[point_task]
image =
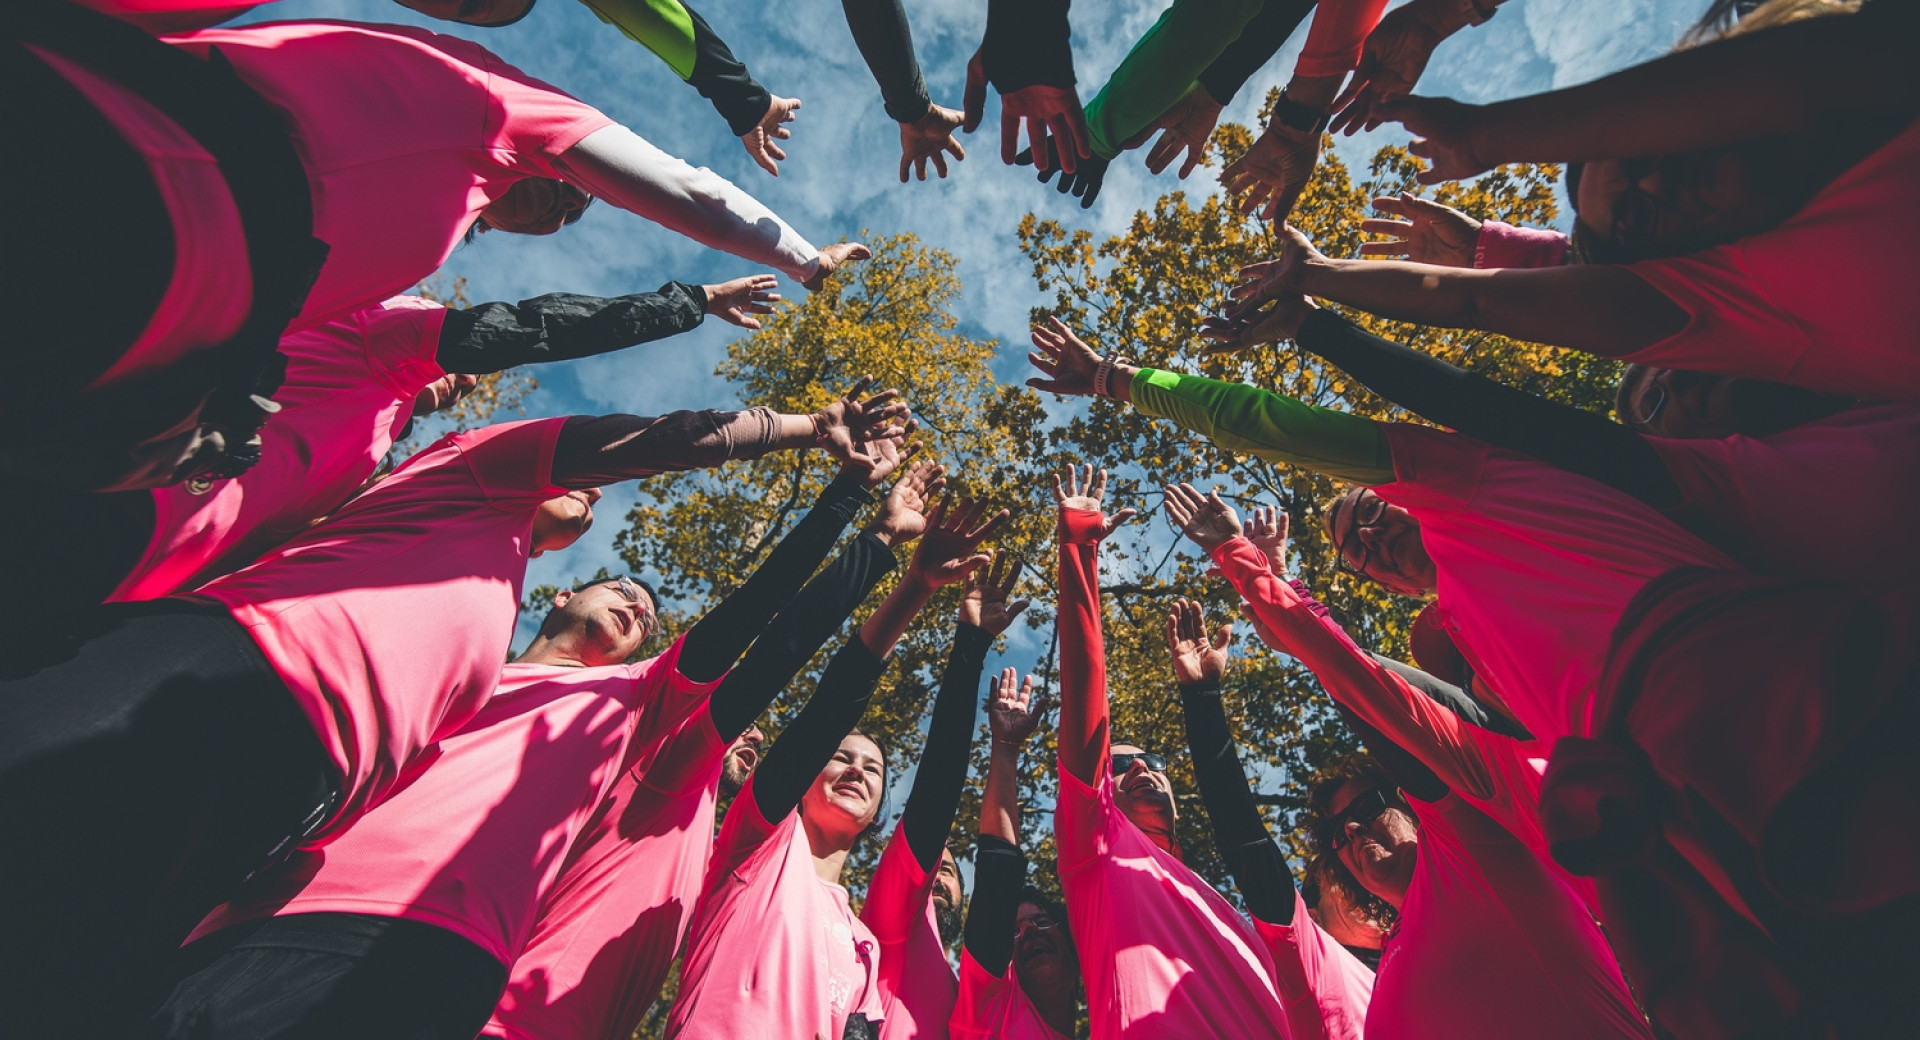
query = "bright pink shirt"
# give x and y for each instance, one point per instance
(611, 925)
(774, 951)
(470, 842)
(1824, 300)
(917, 984)
(349, 390)
(1337, 36)
(1323, 986)
(1162, 954)
(406, 136)
(1534, 566)
(1820, 501)
(1491, 945)
(994, 1007)
(1500, 244)
(389, 621)
(210, 290)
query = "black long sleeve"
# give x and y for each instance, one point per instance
(723, 80)
(805, 747)
(803, 626)
(1254, 47)
(494, 337)
(885, 40)
(1258, 866)
(718, 639)
(1454, 699)
(942, 773)
(999, 877)
(1027, 42)
(1575, 440)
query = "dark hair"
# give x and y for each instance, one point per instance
(1366, 771)
(1054, 908)
(505, 22)
(653, 594)
(1758, 408)
(880, 811)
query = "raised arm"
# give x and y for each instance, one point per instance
(1187, 39)
(493, 337)
(1240, 835)
(599, 450)
(1234, 416)
(1084, 737)
(619, 166)
(1601, 309)
(1789, 79)
(1028, 58)
(999, 867)
(942, 772)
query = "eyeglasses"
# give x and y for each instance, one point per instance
(1362, 810)
(1640, 413)
(1120, 763)
(1636, 213)
(1364, 513)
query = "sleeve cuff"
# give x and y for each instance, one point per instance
(971, 642)
(1081, 526)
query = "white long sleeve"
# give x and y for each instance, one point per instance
(619, 166)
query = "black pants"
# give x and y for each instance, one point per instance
(143, 776)
(330, 977)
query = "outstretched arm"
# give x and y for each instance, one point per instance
(1160, 68)
(677, 35)
(1084, 738)
(493, 337)
(885, 40)
(999, 867)
(605, 449)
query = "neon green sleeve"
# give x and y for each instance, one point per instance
(661, 26)
(1160, 68)
(1247, 419)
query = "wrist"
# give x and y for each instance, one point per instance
(1111, 376)
(1314, 93)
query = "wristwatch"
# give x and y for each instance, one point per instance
(1296, 116)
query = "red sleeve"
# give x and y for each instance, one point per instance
(1457, 751)
(898, 895)
(1501, 244)
(513, 462)
(1083, 661)
(402, 338)
(535, 121)
(1339, 30)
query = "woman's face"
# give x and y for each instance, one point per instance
(1379, 852)
(848, 789)
(1672, 204)
(536, 206)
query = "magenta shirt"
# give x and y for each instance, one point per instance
(917, 984)
(1817, 501)
(1491, 945)
(389, 621)
(611, 925)
(773, 951)
(406, 136)
(1823, 300)
(994, 1007)
(1324, 988)
(473, 837)
(349, 389)
(1534, 566)
(1161, 952)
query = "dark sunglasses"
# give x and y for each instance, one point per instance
(1121, 763)
(1360, 516)
(1362, 810)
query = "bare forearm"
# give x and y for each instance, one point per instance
(1401, 290)
(1000, 801)
(1782, 80)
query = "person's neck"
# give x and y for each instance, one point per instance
(829, 850)
(1163, 838)
(1056, 1004)
(560, 652)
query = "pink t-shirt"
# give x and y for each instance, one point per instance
(1500, 244)
(389, 621)
(210, 290)
(994, 1007)
(917, 984)
(1162, 954)
(1534, 566)
(474, 836)
(349, 390)
(1490, 944)
(773, 951)
(1825, 300)
(1324, 988)
(406, 136)
(612, 923)
(1817, 501)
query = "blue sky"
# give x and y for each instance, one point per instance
(841, 173)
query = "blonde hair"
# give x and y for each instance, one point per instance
(1719, 23)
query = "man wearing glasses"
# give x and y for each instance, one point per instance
(1162, 954)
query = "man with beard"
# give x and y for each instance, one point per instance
(609, 928)
(1008, 926)
(913, 904)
